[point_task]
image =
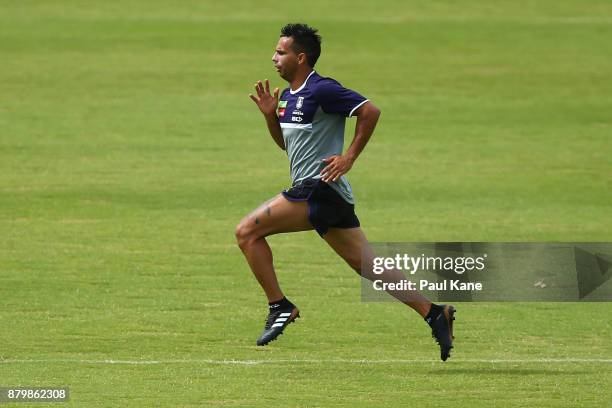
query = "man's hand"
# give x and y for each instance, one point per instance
(265, 101)
(267, 104)
(336, 166)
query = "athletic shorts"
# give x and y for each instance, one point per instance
(326, 208)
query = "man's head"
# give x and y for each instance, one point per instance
(298, 48)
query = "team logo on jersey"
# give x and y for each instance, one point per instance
(299, 102)
(282, 105)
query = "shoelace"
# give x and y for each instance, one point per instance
(271, 318)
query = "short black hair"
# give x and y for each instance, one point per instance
(305, 39)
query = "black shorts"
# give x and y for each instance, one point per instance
(326, 208)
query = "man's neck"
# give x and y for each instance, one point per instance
(299, 79)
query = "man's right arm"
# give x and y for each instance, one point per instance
(267, 104)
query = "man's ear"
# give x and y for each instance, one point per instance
(302, 58)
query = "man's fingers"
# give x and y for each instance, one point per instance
(332, 176)
(335, 176)
(333, 171)
(257, 90)
(267, 86)
(329, 168)
(254, 98)
(331, 163)
(276, 93)
(261, 88)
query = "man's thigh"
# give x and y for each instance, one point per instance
(275, 216)
(351, 244)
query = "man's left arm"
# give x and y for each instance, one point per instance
(367, 117)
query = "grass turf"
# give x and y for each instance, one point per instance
(129, 151)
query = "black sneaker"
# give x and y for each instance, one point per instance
(276, 322)
(442, 330)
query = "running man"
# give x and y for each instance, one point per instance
(307, 121)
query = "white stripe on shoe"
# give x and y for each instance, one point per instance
(277, 325)
(284, 315)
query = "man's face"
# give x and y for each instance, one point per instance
(285, 60)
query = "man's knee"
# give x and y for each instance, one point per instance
(245, 234)
(242, 234)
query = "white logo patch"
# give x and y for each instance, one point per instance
(299, 102)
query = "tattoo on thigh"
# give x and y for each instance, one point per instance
(266, 210)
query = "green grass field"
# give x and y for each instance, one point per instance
(129, 150)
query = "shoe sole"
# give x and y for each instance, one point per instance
(291, 319)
